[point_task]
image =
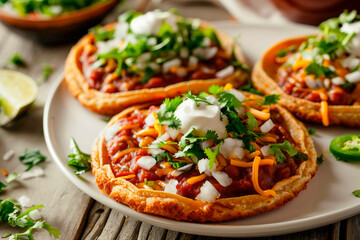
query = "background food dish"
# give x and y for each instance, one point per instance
(327, 199)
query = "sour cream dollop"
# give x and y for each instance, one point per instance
(150, 22)
(203, 117)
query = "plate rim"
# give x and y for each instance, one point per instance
(208, 229)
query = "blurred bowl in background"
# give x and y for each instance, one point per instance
(63, 28)
(314, 11)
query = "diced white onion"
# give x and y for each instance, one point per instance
(350, 62)
(171, 186)
(206, 144)
(154, 66)
(176, 173)
(225, 72)
(173, 133)
(146, 162)
(206, 42)
(8, 155)
(205, 53)
(265, 150)
(155, 151)
(327, 83)
(337, 81)
(238, 152)
(311, 83)
(181, 72)
(111, 131)
(150, 119)
(184, 52)
(353, 77)
(213, 100)
(35, 214)
(34, 172)
(164, 137)
(193, 61)
(208, 193)
(24, 201)
(239, 95)
(143, 58)
(203, 166)
(151, 41)
(185, 168)
(326, 57)
(169, 64)
(228, 146)
(267, 126)
(222, 178)
(332, 68)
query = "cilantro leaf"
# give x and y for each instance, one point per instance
(278, 148)
(166, 112)
(346, 17)
(47, 70)
(212, 155)
(211, 135)
(163, 156)
(149, 183)
(320, 159)
(252, 123)
(356, 193)
(177, 164)
(271, 99)
(80, 161)
(101, 34)
(283, 52)
(249, 87)
(31, 158)
(149, 72)
(196, 98)
(2, 187)
(16, 60)
(317, 70)
(311, 131)
(215, 89)
(229, 100)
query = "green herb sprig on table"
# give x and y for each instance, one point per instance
(16, 60)
(31, 158)
(10, 213)
(79, 160)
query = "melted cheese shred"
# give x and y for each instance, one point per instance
(255, 179)
(126, 177)
(259, 114)
(243, 164)
(196, 179)
(324, 113)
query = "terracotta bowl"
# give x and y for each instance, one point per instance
(67, 25)
(314, 11)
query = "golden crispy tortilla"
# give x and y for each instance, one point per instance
(263, 77)
(181, 208)
(112, 103)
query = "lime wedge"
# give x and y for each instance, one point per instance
(17, 92)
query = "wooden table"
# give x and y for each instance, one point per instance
(67, 208)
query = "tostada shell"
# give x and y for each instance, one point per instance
(112, 103)
(263, 77)
(181, 208)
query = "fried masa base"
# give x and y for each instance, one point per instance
(112, 103)
(181, 208)
(264, 75)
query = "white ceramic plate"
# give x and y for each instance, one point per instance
(327, 199)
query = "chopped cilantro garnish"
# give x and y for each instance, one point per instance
(215, 89)
(163, 156)
(320, 159)
(196, 98)
(166, 112)
(47, 70)
(148, 74)
(317, 70)
(177, 164)
(250, 88)
(101, 34)
(78, 160)
(311, 131)
(2, 187)
(212, 155)
(31, 158)
(356, 193)
(10, 213)
(17, 60)
(271, 99)
(283, 52)
(252, 123)
(149, 183)
(278, 148)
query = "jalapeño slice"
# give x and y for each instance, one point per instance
(346, 147)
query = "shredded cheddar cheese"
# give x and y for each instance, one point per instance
(196, 179)
(255, 179)
(164, 171)
(126, 177)
(325, 113)
(239, 163)
(169, 148)
(123, 153)
(4, 172)
(148, 132)
(228, 87)
(259, 114)
(253, 154)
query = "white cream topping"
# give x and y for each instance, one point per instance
(203, 118)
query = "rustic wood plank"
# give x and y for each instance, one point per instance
(186, 236)
(97, 219)
(353, 228)
(144, 231)
(171, 235)
(317, 233)
(157, 233)
(129, 230)
(335, 231)
(113, 226)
